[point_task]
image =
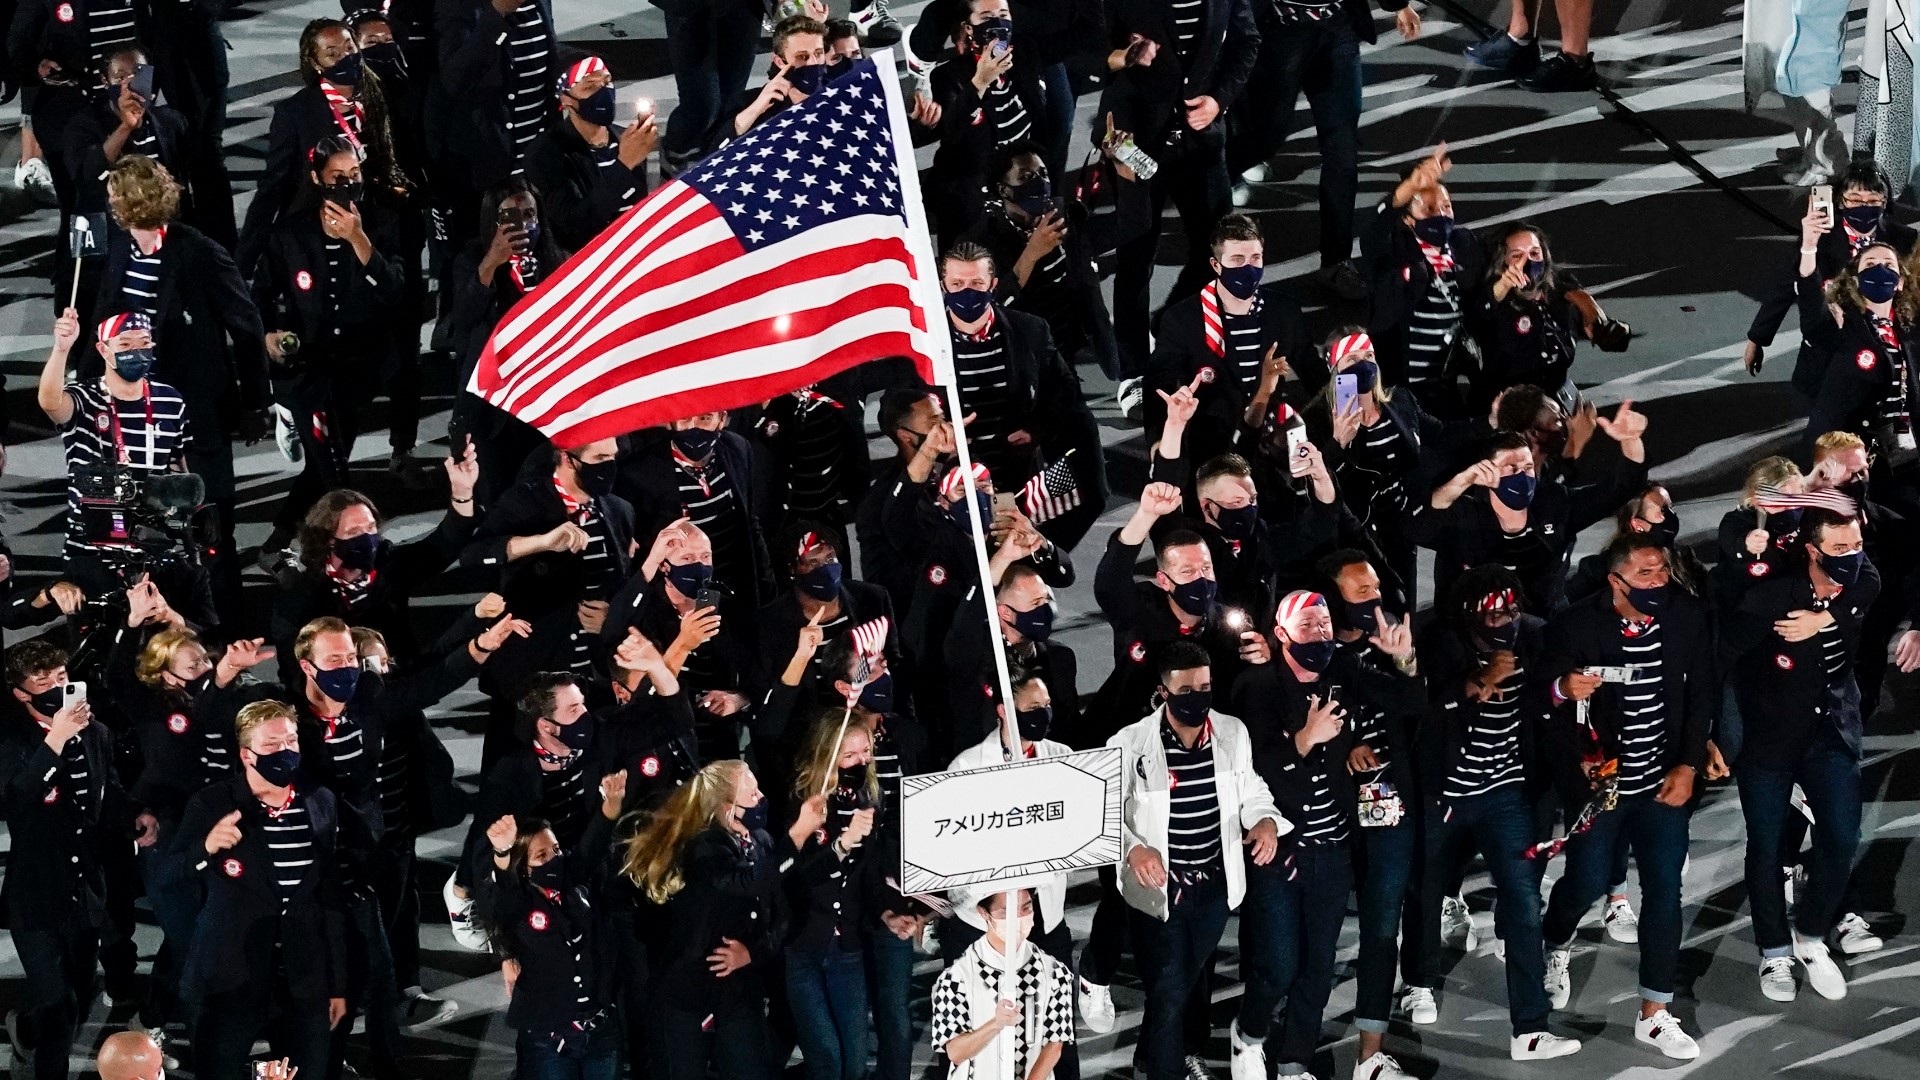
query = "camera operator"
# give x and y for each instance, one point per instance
(119, 433)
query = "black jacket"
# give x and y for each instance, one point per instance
(83, 152)
(309, 935)
(1043, 398)
(778, 627)
(1448, 658)
(1781, 686)
(1401, 277)
(300, 121)
(1832, 253)
(515, 786)
(1858, 367)
(343, 326)
(1072, 307)
(39, 33)
(1149, 101)
(649, 480)
(469, 110)
(545, 936)
(1180, 353)
(1588, 634)
(1737, 570)
(204, 304)
(545, 582)
(580, 196)
(651, 737)
(55, 875)
(1522, 341)
(732, 891)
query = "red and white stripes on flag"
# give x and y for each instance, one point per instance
(1772, 498)
(788, 255)
(1053, 491)
(869, 638)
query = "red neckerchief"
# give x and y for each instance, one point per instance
(552, 758)
(275, 812)
(1210, 327)
(342, 106)
(1631, 629)
(695, 469)
(577, 511)
(332, 724)
(159, 241)
(1856, 241)
(554, 896)
(350, 591)
(1889, 335)
(1441, 259)
(986, 329)
(113, 420)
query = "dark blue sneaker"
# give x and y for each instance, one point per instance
(1501, 53)
(1562, 73)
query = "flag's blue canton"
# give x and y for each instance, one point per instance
(824, 159)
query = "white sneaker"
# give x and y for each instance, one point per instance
(460, 915)
(1249, 1060)
(422, 1010)
(1381, 1066)
(1559, 985)
(1456, 921)
(1259, 174)
(1242, 195)
(1822, 973)
(1132, 397)
(1622, 925)
(1420, 1006)
(34, 177)
(1857, 937)
(1197, 1068)
(1663, 1031)
(1541, 1045)
(1776, 979)
(1500, 949)
(1096, 1007)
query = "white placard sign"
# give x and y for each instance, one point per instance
(1005, 823)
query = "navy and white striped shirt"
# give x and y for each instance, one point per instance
(1193, 807)
(1490, 755)
(1643, 711)
(289, 837)
(529, 94)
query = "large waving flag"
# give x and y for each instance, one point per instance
(792, 253)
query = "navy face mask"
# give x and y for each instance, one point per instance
(1034, 198)
(1195, 597)
(1242, 281)
(1034, 723)
(839, 66)
(278, 768)
(1782, 522)
(1501, 638)
(1035, 625)
(968, 305)
(808, 80)
(577, 735)
(1665, 531)
(346, 72)
(689, 578)
(1843, 569)
(1237, 523)
(357, 552)
(598, 109)
(1362, 617)
(696, 443)
(1366, 374)
(1862, 219)
(1536, 269)
(877, 696)
(596, 477)
(755, 817)
(1190, 708)
(1312, 655)
(1879, 284)
(386, 60)
(550, 875)
(1436, 229)
(1646, 601)
(1515, 492)
(822, 582)
(133, 364)
(338, 683)
(957, 511)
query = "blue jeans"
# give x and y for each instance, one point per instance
(828, 996)
(1172, 955)
(1290, 925)
(592, 1056)
(1829, 772)
(1323, 59)
(712, 54)
(1388, 861)
(1659, 838)
(891, 963)
(1054, 126)
(1501, 824)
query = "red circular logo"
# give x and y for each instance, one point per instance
(773, 428)
(1864, 359)
(64, 13)
(231, 868)
(1406, 273)
(537, 920)
(1207, 374)
(937, 574)
(1523, 325)
(650, 767)
(1759, 569)
(1783, 662)
(303, 280)
(52, 796)
(105, 422)
(1138, 651)
(177, 723)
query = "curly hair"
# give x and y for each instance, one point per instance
(315, 537)
(1844, 289)
(156, 659)
(141, 192)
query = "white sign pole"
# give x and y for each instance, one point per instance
(940, 349)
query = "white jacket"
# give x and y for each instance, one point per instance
(1244, 803)
(1049, 889)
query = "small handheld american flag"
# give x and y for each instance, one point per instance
(1772, 499)
(870, 637)
(1053, 491)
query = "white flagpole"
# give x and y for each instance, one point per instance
(939, 346)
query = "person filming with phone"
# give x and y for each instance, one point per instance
(593, 169)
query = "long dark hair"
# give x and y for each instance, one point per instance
(546, 249)
(1549, 282)
(311, 195)
(381, 167)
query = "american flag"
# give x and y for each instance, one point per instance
(1771, 498)
(1053, 491)
(870, 637)
(790, 254)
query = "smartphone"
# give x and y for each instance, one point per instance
(142, 82)
(711, 595)
(1000, 47)
(1346, 389)
(73, 693)
(643, 108)
(1297, 449)
(1003, 503)
(1823, 200)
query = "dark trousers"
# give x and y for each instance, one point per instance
(1054, 126)
(1196, 183)
(327, 416)
(1290, 925)
(828, 996)
(175, 908)
(712, 54)
(594, 1055)
(1173, 954)
(230, 1022)
(890, 987)
(956, 936)
(59, 967)
(1500, 822)
(399, 904)
(1658, 835)
(371, 991)
(1828, 771)
(736, 1042)
(1386, 866)
(1323, 59)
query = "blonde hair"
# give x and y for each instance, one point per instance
(1837, 442)
(820, 758)
(325, 624)
(1769, 470)
(141, 192)
(157, 658)
(653, 856)
(256, 713)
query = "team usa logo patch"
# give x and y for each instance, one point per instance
(937, 574)
(1406, 273)
(650, 767)
(538, 920)
(231, 868)
(773, 428)
(1864, 359)
(303, 280)
(1783, 661)
(1523, 325)
(177, 723)
(52, 796)
(104, 423)
(1138, 652)
(1759, 569)
(1207, 374)
(64, 13)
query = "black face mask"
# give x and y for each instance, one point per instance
(1034, 198)
(1034, 723)
(688, 579)
(822, 582)
(808, 80)
(550, 875)
(696, 443)
(1856, 489)
(1501, 638)
(1665, 531)
(49, 702)
(1237, 523)
(596, 477)
(386, 60)
(577, 735)
(598, 108)
(1783, 522)
(1191, 708)
(1362, 617)
(854, 777)
(1035, 625)
(1312, 655)
(345, 192)
(344, 73)
(1195, 597)
(278, 768)
(358, 552)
